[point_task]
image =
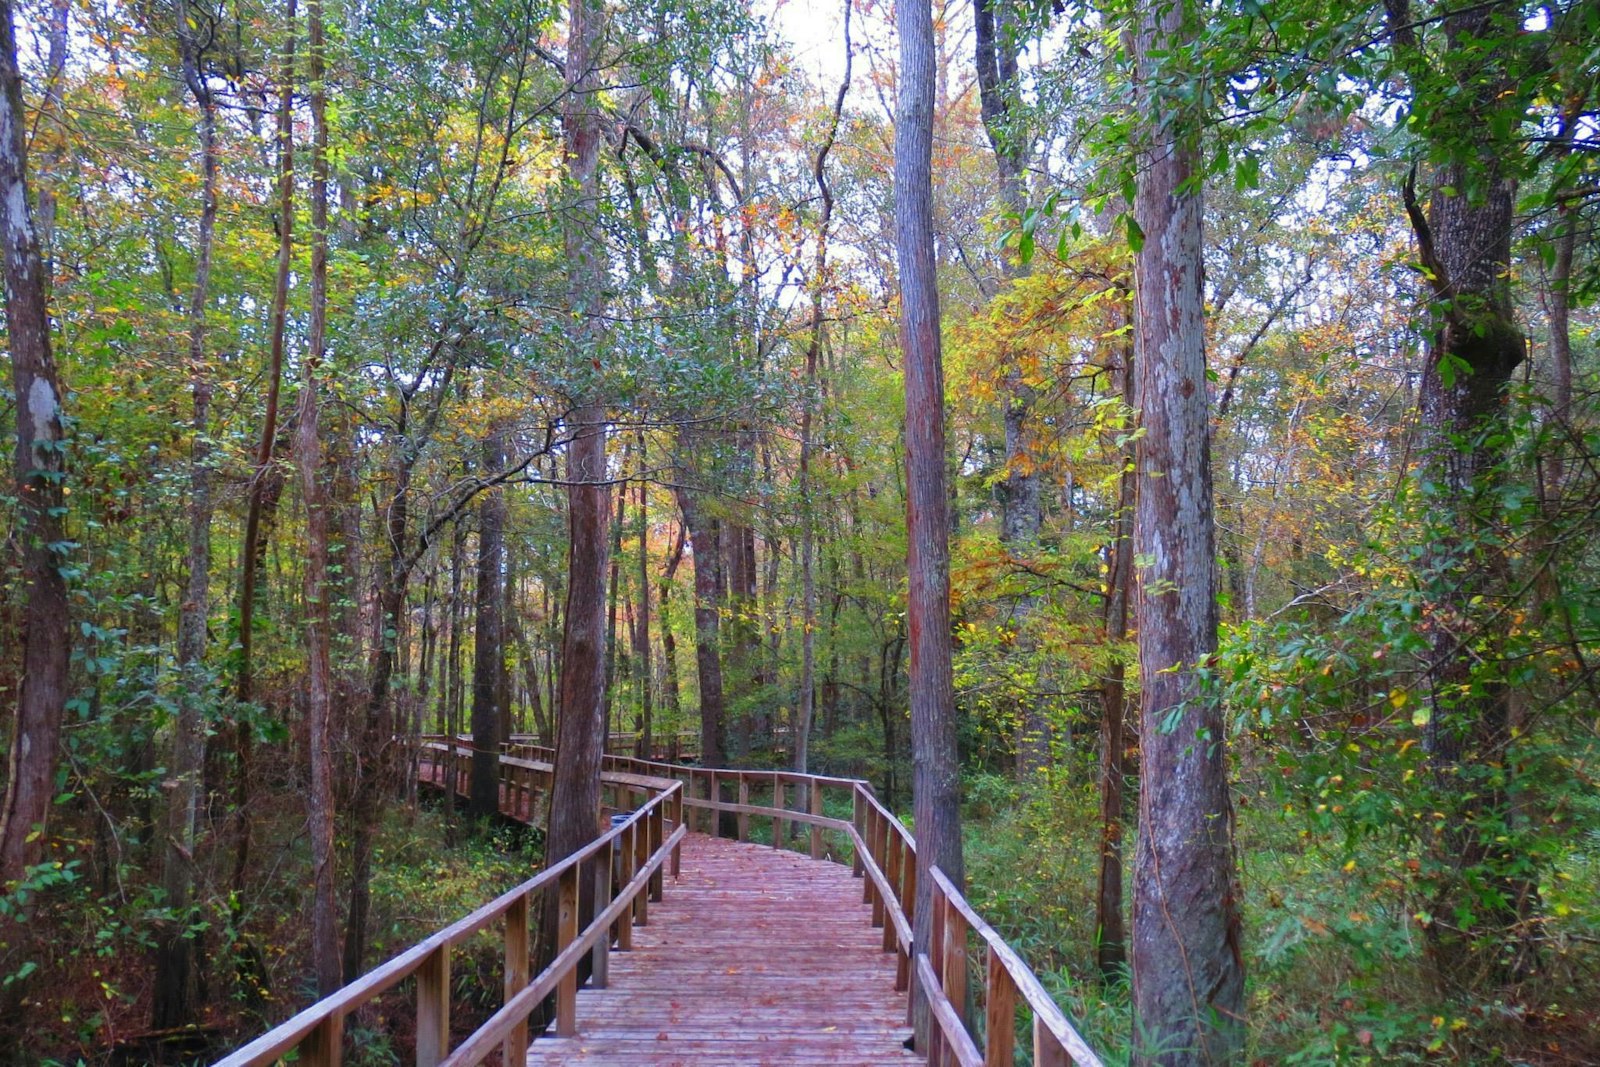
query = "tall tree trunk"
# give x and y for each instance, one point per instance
(40, 477)
(1465, 245)
(707, 629)
(250, 557)
(175, 1002)
(488, 652)
(618, 521)
(669, 641)
(641, 642)
(580, 729)
(1188, 971)
(936, 779)
(313, 479)
(806, 712)
(1111, 951)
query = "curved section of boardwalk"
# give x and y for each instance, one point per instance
(754, 955)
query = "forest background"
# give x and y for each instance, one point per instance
(287, 508)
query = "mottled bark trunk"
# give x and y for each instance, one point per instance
(40, 476)
(707, 626)
(580, 728)
(488, 650)
(176, 1000)
(641, 637)
(1188, 970)
(669, 642)
(936, 782)
(313, 483)
(1111, 950)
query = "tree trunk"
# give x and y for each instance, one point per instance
(313, 478)
(936, 780)
(641, 642)
(1473, 352)
(707, 625)
(175, 1003)
(1188, 972)
(580, 729)
(669, 641)
(40, 476)
(488, 651)
(1111, 951)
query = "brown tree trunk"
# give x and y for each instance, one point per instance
(669, 641)
(707, 629)
(250, 557)
(1188, 971)
(936, 780)
(641, 641)
(1476, 346)
(488, 652)
(580, 729)
(176, 978)
(806, 712)
(40, 476)
(313, 477)
(1111, 951)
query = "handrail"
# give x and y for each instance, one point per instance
(640, 847)
(885, 858)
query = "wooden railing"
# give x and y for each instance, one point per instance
(624, 866)
(884, 854)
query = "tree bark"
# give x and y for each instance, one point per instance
(580, 728)
(176, 976)
(313, 478)
(488, 652)
(1475, 347)
(1188, 971)
(1111, 951)
(40, 476)
(936, 781)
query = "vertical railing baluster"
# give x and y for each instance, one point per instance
(600, 955)
(744, 799)
(641, 856)
(677, 821)
(324, 1046)
(780, 825)
(999, 1014)
(566, 934)
(625, 855)
(892, 876)
(515, 1049)
(1047, 1051)
(816, 809)
(657, 818)
(433, 1008)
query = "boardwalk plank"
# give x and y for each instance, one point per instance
(754, 956)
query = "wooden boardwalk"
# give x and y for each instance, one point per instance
(706, 951)
(754, 955)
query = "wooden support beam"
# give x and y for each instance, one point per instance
(433, 1008)
(566, 934)
(516, 970)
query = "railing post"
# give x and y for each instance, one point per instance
(892, 876)
(999, 1014)
(641, 856)
(780, 825)
(677, 820)
(624, 854)
(954, 975)
(566, 934)
(816, 831)
(744, 798)
(858, 818)
(324, 1046)
(600, 956)
(516, 1044)
(657, 819)
(1047, 1051)
(433, 1008)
